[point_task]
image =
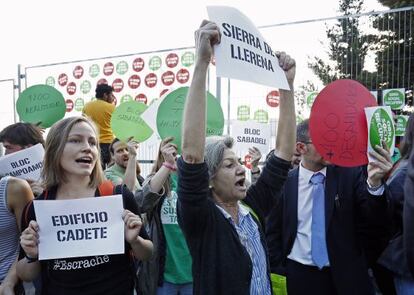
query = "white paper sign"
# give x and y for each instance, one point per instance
(247, 134)
(26, 164)
(80, 227)
(243, 53)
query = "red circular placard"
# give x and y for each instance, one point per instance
(71, 88)
(171, 60)
(248, 161)
(108, 69)
(102, 81)
(141, 98)
(183, 76)
(138, 64)
(69, 105)
(134, 81)
(338, 127)
(78, 72)
(151, 80)
(118, 85)
(168, 78)
(273, 99)
(63, 79)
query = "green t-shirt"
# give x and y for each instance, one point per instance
(116, 174)
(178, 259)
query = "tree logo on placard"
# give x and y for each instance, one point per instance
(134, 81)
(168, 78)
(50, 81)
(141, 98)
(151, 80)
(69, 105)
(108, 69)
(171, 60)
(243, 113)
(79, 104)
(126, 98)
(63, 79)
(71, 88)
(273, 99)
(94, 70)
(261, 116)
(381, 129)
(122, 67)
(138, 64)
(155, 63)
(183, 76)
(187, 59)
(118, 85)
(78, 72)
(85, 87)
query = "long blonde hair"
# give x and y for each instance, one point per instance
(52, 172)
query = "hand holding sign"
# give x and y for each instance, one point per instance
(205, 37)
(381, 166)
(29, 240)
(169, 150)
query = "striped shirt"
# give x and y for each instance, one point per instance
(9, 232)
(250, 238)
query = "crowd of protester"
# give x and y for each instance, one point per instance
(196, 225)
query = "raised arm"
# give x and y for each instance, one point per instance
(194, 118)
(286, 128)
(130, 178)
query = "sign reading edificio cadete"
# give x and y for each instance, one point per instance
(80, 227)
(25, 164)
(243, 53)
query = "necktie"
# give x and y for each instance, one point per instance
(318, 241)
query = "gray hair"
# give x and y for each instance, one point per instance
(302, 131)
(214, 151)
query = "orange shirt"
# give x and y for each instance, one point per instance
(100, 112)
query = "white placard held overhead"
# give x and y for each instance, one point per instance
(25, 164)
(247, 134)
(243, 53)
(80, 227)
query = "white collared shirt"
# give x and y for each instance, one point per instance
(301, 250)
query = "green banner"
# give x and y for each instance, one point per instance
(243, 113)
(400, 125)
(381, 129)
(395, 98)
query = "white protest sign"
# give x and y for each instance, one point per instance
(26, 164)
(243, 53)
(380, 128)
(247, 134)
(80, 227)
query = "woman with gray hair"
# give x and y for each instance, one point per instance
(221, 219)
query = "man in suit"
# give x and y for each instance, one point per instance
(313, 235)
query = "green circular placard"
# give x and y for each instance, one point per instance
(261, 116)
(394, 98)
(155, 63)
(170, 113)
(382, 128)
(187, 59)
(122, 67)
(126, 122)
(50, 81)
(94, 70)
(85, 86)
(79, 104)
(126, 98)
(41, 103)
(243, 113)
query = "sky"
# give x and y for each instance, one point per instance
(49, 31)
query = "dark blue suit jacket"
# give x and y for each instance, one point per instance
(348, 205)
